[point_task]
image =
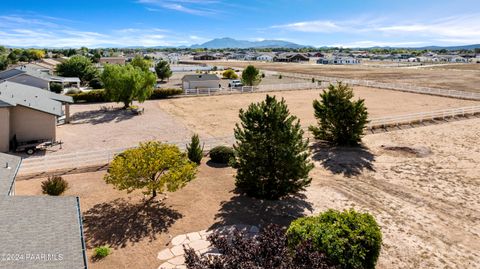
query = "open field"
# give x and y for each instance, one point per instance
(217, 115)
(435, 77)
(421, 185)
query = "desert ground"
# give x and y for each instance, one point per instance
(105, 126)
(437, 76)
(421, 185)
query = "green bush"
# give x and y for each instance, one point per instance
(73, 91)
(101, 252)
(230, 74)
(95, 96)
(56, 87)
(221, 154)
(349, 238)
(164, 93)
(280, 77)
(96, 84)
(194, 151)
(54, 185)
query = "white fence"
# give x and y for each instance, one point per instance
(391, 86)
(423, 116)
(259, 88)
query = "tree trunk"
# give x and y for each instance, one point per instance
(154, 193)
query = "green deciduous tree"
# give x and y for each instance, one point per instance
(127, 83)
(153, 166)
(251, 76)
(194, 150)
(163, 71)
(340, 120)
(141, 63)
(78, 66)
(272, 158)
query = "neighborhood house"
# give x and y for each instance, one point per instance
(201, 81)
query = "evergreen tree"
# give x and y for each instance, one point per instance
(340, 120)
(251, 76)
(163, 70)
(272, 158)
(194, 151)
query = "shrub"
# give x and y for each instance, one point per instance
(73, 91)
(56, 87)
(280, 77)
(101, 252)
(95, 96)
(230, 74)
(194, 151)
(272, 158)
(54, 185)
(263, 75)
(340, 120)
(164, 93)
(221, 154)
(96, 84)
(251, 76)
(313, 80)
(268, 250)
(349, 239)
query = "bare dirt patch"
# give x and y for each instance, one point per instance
(428, 207)
(217, 115)
(436, 77)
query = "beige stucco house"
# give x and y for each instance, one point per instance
(28, 113)
(200, 81)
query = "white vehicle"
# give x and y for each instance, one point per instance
(235, 83)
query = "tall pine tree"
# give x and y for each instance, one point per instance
(272, 158)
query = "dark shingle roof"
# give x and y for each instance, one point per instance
(200, 77)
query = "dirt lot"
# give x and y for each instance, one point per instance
(421, 184)
(217, 115)
(437, 77)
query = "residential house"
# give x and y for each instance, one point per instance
(265, 57)
(32, 75)
(200, 81)
(291, 57)
(338, 60)
(205, 57)
(38, 231)
(29, 113)
(113, 60)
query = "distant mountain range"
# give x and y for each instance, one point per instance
(226, 42)
(230, 43)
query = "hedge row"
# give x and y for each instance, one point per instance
(98, 96)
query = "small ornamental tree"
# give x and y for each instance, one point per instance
(251, 76)
(163, 71)
(341, 121)
(127, 83)
(272, 158)
(153, 166)
(77, 66)
(194, 150)
(230, 74)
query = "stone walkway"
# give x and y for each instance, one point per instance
(173, 257)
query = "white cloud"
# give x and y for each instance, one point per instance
(194, 7)
(312, 27)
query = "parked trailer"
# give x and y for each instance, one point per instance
(30, 147)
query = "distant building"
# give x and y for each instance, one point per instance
(28, 113)
(35, 76)
(338, 60)
(38, 231)
(205, 57)
(265, 57)
(291, 58)
(200, 81)
(113, 60)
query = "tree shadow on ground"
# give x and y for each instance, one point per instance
(119, 222)
(101, 116)
(216, 165)
(349, 161)
(242, 209)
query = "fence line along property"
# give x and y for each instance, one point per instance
(391, 86)
(53, 163)
(247, 89)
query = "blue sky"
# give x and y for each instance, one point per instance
(353, 23)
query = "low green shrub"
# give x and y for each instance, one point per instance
(164, 93)
(94, 96)
(101, 252)
(221, 154)
(56, 87)
(96, 84)
(194, 150)
(54, 185)
(73, 91)
(349, 238)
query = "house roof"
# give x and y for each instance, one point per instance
(9, 165)
(38, 231)
(32, 97)
(200, 77)
(46, 231)
(37, 71)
